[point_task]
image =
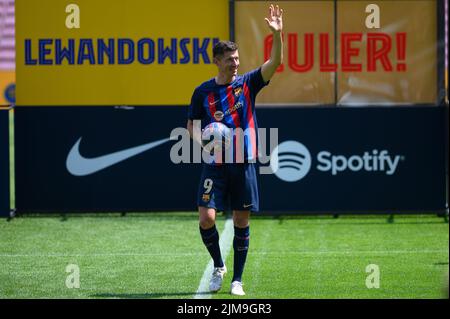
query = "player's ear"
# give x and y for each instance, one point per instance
(216, 59)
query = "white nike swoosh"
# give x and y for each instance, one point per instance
(217, 101)
(79, 165)
(213, 102)
(245, 206)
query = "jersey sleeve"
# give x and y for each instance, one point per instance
(195, 110)
(255, 80)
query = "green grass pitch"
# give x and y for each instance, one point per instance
(160, 255)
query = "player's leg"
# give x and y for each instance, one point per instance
(241, 242)
(244, 199)
(209, 233)
(210, 198)
(210, 237)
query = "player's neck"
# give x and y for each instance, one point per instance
(222, 79)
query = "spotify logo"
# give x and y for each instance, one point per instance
(290, 161)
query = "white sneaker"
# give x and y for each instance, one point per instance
(217, 277)
(236, 288)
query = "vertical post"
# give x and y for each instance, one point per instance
(4, 162)
(442, 96)
(336, 37)
(441, 48)
(231, 22)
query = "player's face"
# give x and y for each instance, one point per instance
(228, 64)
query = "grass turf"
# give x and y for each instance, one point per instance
(162, 256)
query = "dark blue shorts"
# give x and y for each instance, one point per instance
(229, 187)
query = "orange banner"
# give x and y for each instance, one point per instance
(7, 88)
(348, 52)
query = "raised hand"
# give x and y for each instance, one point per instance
(275, 20)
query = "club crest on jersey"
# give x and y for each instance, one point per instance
(237, 91)
(218, 115)
(206, 197)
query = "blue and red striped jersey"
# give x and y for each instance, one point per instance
(232, 104)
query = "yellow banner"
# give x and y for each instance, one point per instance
(348, 52)
(104, 52)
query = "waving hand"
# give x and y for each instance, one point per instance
(275, 20)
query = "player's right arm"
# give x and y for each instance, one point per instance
(196, 113)
(190, 128)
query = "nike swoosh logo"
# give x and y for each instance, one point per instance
(245, 206)
(79, 165)
(217, 101)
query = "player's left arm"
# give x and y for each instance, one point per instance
(275, 23)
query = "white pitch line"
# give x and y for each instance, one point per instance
(226, 241)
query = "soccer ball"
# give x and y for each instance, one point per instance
(216, 136)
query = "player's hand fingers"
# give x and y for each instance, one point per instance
(271, 11)
(268, 22)
(277, 11)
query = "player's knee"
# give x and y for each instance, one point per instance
(206, 221)
(241, 223)
(206, 224)
(241, 220)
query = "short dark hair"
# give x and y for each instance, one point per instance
(224, 46)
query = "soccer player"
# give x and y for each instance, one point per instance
(229, 98)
